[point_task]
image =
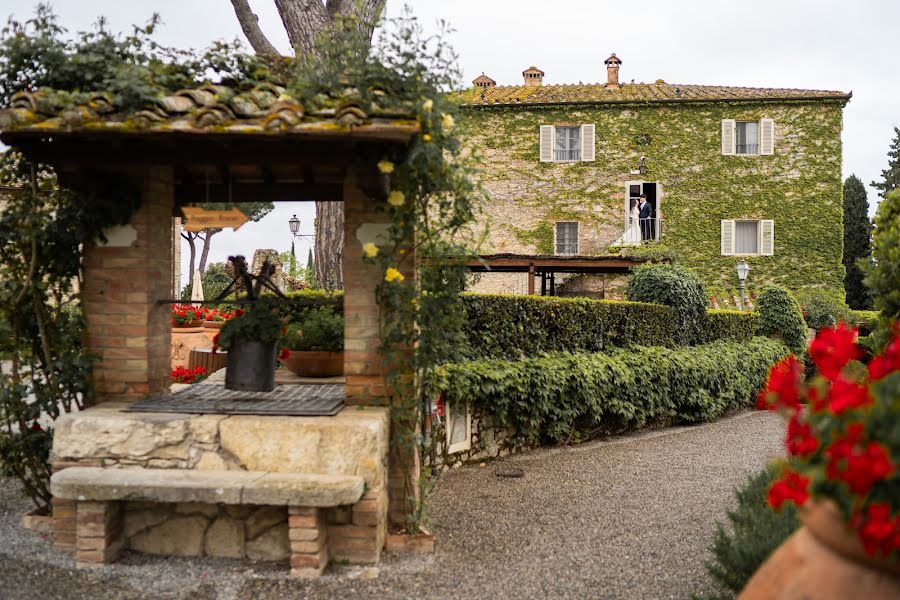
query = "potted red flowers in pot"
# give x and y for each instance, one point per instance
(215, 318)
(315, 345)
(251, 339)
(843, 443)
(186, 315)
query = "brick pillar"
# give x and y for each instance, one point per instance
(126, 329)
(359, 536)
(99, 538)
(363, 222)
(308, 533)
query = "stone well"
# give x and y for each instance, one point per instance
(353, 442)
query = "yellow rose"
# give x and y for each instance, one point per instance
(447, 122)
(428, 105)
(370, 249)
(396, 198)
(386, 166)
(426, 137)
(392, 275)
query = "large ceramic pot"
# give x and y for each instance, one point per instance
(823, 560)
(250, 366)
(312, 363)
(185, 339)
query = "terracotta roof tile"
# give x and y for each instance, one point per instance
(265, 109)
(597, 93)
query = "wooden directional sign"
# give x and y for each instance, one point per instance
(198, 219)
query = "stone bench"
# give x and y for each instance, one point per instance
(99, 493)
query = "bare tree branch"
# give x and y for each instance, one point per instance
(250, 25)
(303, 20)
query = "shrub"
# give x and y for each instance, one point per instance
(510, 326)
(780, 315)
(677, 287)
(883, 277)
(732, 325)
(823, 308)
(321, 329)
(866, 320)
(754, 533)
(562, 396)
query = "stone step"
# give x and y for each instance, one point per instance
(211, 487)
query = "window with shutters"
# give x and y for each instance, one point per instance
(568, 144)
(746, 137)
(567, 237)
(748, 237)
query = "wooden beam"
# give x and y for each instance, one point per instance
(531, 279)
(258, 192)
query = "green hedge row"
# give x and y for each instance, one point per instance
(566, 396)
(731, 325)
(510, 326)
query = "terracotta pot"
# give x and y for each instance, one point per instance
(315, 363)
(403, 543)
(194, 323)
(213, 324)
(184, 339)
(823, 560)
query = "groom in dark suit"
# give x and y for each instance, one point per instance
(645, 216)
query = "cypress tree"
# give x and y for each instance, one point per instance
(857, 242)
(891, 175)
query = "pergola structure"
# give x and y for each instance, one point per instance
(212, 144)
(548, 265)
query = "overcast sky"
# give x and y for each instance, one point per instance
(810, 44)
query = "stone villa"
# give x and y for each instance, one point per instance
(729, 172)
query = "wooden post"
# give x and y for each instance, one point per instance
(531, 279)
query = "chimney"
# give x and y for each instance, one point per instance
(533, 76)
(612, 70)
(484, 82)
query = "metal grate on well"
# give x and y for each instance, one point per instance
(312, 400)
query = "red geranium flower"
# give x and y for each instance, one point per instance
(877, 530)
(800, 439)
(833, 348)
(887, 362)
(860, 465)
(845, 395)
(284, 354)
(792, 487)
(783, 386)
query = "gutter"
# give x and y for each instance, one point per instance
(845, 97)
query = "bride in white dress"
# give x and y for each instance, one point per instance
(632, 235)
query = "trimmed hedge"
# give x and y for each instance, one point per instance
(567, 396)
(780, 315)
(731, 325)
(675, 286)
(866, 320)
(823, 308)
(511, 326)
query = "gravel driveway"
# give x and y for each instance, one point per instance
(630, 517)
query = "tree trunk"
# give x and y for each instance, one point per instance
(303, 20)
(250, 26)
(204, 255)
(193, 254)
(329, 245)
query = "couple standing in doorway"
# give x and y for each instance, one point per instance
(642, 224)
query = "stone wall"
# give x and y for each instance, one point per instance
(799, 186)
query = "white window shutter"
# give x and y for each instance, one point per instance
(767, 136)
(727, 237)
(767, 237)
(546, 143)
(728, 137)
(587, 142)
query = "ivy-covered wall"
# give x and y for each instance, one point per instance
(799, 186)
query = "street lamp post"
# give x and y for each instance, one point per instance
(743, 269)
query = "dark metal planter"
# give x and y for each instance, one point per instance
(251, 367)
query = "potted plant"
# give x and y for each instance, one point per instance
(215, 318)
(251, 339)
(843, 444)
(316, 344)
(186, 315)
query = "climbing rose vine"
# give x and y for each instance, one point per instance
(843, 434)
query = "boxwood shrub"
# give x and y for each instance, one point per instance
(823, 307)
(675, 286)
(511, 326)
(732, 325)
(565, 396)
(780, 316)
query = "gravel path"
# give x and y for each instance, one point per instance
(626, 518)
